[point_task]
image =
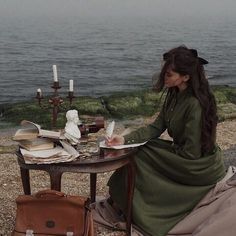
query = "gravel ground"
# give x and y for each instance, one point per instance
(10, 181)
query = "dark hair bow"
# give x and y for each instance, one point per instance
(166, 56)
(195, 54)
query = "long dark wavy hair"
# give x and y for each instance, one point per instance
(186, 62)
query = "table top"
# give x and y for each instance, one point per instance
(106, 159)
(104, 155)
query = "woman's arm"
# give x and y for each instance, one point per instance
(148, 132)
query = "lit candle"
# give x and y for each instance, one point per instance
(71, 85)
(39, 91)
(54, 68)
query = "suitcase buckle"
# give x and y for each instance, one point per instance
(29, 232)
(69, 233)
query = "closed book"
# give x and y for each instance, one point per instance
(37, 144)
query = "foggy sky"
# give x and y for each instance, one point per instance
(160, 8)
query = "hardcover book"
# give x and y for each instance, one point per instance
(37, 144)
(32, 131)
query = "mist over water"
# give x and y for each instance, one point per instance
(105, 54)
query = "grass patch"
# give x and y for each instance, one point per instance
(120, 105)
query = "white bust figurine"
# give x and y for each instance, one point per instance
(72, 132)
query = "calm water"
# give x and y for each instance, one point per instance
(105, 55)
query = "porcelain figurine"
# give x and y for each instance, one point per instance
(72, 132)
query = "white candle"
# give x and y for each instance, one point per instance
(71, 85)
(54, 68)
(39, 91)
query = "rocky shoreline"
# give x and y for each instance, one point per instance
(122, 106)
(10, 181)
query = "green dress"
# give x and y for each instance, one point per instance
(171, 177)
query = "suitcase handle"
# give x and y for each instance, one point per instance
(49, 193)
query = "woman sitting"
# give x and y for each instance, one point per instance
(173, 176)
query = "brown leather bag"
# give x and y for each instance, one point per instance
(50, 212)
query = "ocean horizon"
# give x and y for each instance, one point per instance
(104, 55)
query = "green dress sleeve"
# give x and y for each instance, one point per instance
(191, 138)
(148, 132)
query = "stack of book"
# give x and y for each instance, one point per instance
(64, 153)
(36, 144)
(39, 146)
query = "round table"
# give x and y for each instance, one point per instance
(104, 161)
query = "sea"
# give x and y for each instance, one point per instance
(105, 55)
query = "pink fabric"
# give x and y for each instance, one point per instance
(215, 213)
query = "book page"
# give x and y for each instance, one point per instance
(42, 132)
(37, 144)
(43, 153)
(71, 150)
(103, 145)
(27, 133)
(30, 123)
(49, 133)
(37, 141)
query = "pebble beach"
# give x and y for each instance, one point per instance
(77, 184)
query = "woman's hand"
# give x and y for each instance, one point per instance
(115, 140)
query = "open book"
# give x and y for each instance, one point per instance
(32, 131)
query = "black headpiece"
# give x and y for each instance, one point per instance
(194, 52)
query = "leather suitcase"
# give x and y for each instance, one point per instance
(50, 212)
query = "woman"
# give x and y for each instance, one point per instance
(173, 176)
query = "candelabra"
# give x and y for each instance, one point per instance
(55, 100)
